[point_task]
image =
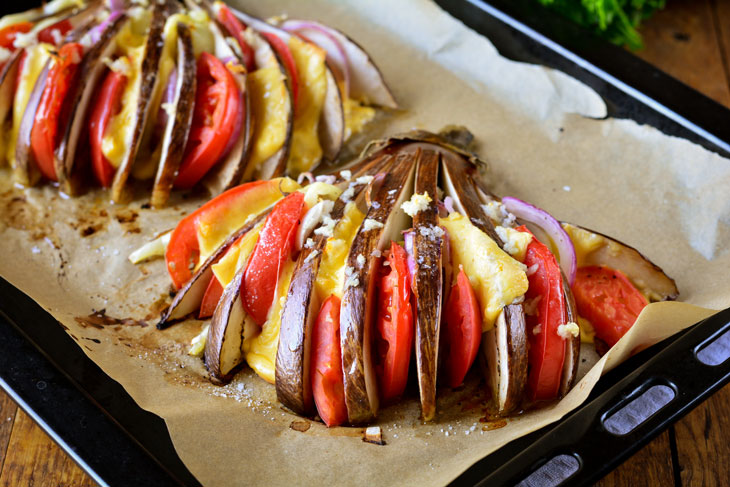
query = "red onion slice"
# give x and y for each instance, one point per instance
(96, 32)
(338, 55)
(532, 214)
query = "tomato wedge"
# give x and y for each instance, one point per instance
(212, 295)
(462, 330)
(183, 250)
(284, 53)
(109, 103)
(43, 136)
(394, 326)
(547, 348)
(7, 35)
(326, 364)
(607, 299)
(47, 35)
(273, 248)
(235, 27)
(217, 120)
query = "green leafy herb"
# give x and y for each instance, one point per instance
(615, 20)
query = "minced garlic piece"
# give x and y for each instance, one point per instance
(417, 203)
(569, 329)
(370, 224)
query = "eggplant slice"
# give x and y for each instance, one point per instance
(428, 279)
(69, 173)
(229, 171)
(649, 278)
(331, 128)
(356, 337)
(293, 383)
(147, 85)
(505, 345)
(275, 165)
(223, 351)
(178, 127)
(366, 81)
(188, 298)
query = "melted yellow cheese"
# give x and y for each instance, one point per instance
(497, 278)
(236, 257)
(584, 242)
(212, 234)
(267, 95)
(305, 148)
(35, 60)
(119, 132)
(356, 116)
(331, 275)
(515, 242)
(586, 330)
(260, 348)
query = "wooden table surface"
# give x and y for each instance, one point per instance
(690, 40)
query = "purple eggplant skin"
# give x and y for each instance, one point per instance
(572, 344)
(188, 298)
(462, 188)
(359, 295)
(427, 280)
(649, 278)
(68, 169)
(293, 383)
(121, 193)
(225, 335)
(26, 170)
(332, 119)
(230, 171)
(178, 127)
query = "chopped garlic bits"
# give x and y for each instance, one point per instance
(417, 203)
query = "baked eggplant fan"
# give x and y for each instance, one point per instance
(330, 289)
(178, 94)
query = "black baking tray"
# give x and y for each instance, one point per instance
(93, 419)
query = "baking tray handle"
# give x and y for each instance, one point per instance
(596, 438)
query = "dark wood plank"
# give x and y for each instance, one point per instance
(652, 465)
(33, 459)
(7, 418)
(722, 25)
(683, 41)
(703, 449)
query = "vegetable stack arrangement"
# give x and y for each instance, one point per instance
(330, 290)
(103, 92)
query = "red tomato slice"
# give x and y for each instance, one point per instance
(236, 28)
(394, 326)
(463, 330)
(547, 348)
(61, 76)
(326, 364)
(212, 295)
(607, 299)
(7, 35)
(273, 248)
(282, 49)
(62, 27)
(217, 119)
(183, 249)
(109, 103)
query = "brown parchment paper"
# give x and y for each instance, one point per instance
(546, 140)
